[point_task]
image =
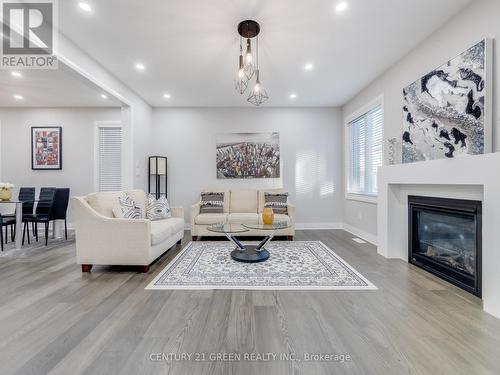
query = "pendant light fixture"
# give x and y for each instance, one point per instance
(241, 80)
(248, 64)
(258, 94)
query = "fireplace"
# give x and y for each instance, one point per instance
(444, 238)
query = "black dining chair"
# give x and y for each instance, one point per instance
(42, 213)
(60, 208)
(27, 196)
(5, 222)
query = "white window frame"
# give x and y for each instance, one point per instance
(377, 102)
(105, 124)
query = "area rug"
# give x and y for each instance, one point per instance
(292, 265)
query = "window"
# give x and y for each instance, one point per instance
(365, 150)
(108, 157)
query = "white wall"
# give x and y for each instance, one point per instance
(474, 23)
(135, 115)
(77, 146)
(310, 149)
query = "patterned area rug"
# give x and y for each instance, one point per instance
(292, 265)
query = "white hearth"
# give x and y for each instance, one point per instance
(471, 177)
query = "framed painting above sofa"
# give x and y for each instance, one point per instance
(248, 155)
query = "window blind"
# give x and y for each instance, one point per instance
(110, 158)
(365, 152)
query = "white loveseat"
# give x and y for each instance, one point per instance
(105, 240)
(240, 207)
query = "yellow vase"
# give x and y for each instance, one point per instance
(5, 194)
(268, 216)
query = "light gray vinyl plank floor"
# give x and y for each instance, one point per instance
(56, 320)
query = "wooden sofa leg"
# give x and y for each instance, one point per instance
(290, 238)
(86, 267)
(144, 269)
(195, 238)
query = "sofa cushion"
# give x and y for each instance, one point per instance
(208, 219)
(226, 197)
(262, 193)
(157, 209)
(103, 202)
(161, 230)
(243, 218)
(277, 201)
(212, 203)
(125, 208)
(243, 201)
(140, 198)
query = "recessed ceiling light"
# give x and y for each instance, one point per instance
(140, 66)
(18, 97)
(16, 74)
(167, 96)
(342, 6)
(293, 96)
(308, 67)
(85, 6)
(104, 96)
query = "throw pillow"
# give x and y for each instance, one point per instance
(212, 203)
(277, 201)
(157, 209)
(125, 208)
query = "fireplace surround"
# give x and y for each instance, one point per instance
(444, 238)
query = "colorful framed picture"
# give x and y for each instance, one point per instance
(46, 148)
(248, 155)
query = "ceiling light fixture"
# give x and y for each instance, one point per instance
(85, 6)
(140, 66)
(248, 65)
(342, 6)
(18, 97)
(167, 96)
(16, 74)
(308, 67)
(104, 96)
(293, 96)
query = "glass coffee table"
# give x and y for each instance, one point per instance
(249, 253)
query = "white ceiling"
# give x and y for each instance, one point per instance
(190, 47)
(51, 88)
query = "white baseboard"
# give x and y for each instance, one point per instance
(371, 238)
(317, 226)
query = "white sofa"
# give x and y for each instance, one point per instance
(240, 207)
(105, 240)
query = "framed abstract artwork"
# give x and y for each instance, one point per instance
(248, 155)
(46, 148)
(448, 112)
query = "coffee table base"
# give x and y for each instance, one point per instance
(250, 254)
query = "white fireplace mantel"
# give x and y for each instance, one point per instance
(481, 171)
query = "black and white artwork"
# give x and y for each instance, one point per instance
(446, 111)
(248, 155)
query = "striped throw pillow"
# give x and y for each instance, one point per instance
(212, 203)
(157, 209)
(125, 208)
(277, 201)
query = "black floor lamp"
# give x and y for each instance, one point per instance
(157, 177)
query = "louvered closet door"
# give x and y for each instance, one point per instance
(110, 158)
